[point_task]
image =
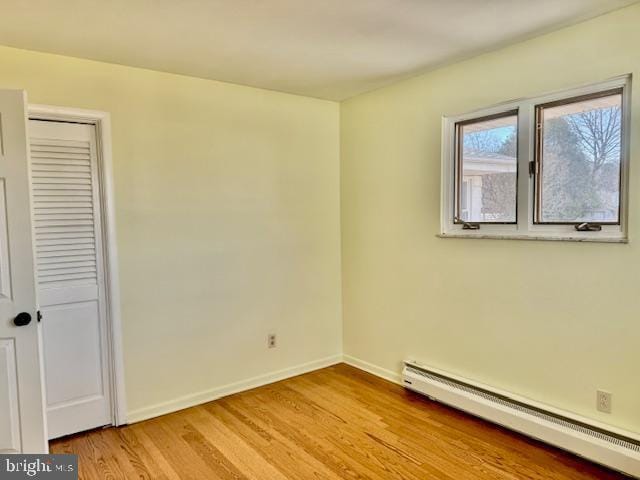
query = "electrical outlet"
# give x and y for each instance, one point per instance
(271, 340)
(603, 401)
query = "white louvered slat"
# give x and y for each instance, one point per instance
(73, 204)
(50, 266)
(64, 242)
(71, 234)
(63, 216)
(54, 142)
(61, 153)
(64, 247)
(57, 209)
(60, 161)
(38, 174)
(62, 270)
(59, 148)
(61, 158)
(63, 184)
(67, 253)
(52, 281)
(64, 213)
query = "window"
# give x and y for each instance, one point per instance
(578, 156)
(487, 168)
(551, 167)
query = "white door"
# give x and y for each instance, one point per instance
(70, 275)
(22, 426)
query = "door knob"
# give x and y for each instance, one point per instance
(22, 319)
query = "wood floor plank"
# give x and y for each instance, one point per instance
(297, 460)
(288, 417)
(240, 453)
(332, 424)
(152, 456)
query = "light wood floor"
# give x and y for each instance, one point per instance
(336, 423)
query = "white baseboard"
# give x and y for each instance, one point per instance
(198, 398)
(390, 375)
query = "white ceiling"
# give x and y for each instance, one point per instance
(331, 49)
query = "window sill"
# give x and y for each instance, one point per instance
(489, 236)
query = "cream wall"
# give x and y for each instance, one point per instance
(552, 321)
(227, 211)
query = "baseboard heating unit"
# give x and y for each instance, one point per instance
(609, 446)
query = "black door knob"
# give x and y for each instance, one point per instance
(22, 319)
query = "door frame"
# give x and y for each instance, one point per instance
(102, 123)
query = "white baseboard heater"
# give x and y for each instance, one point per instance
(609, 446)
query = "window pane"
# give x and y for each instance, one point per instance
(580, 162)
(488, 165)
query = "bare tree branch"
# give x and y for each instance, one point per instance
(599, 134)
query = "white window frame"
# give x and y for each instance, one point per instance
(525, 228)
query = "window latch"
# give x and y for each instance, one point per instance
(470, 226)
(533, 168)
(467, 225)
(588, 227)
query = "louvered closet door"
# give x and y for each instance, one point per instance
(70, 280)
